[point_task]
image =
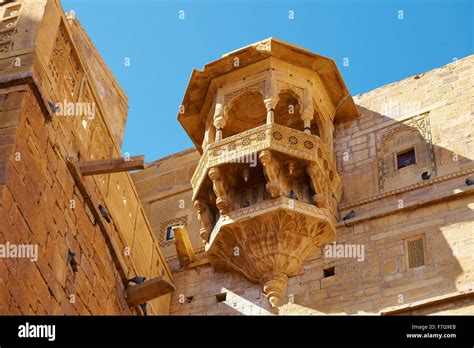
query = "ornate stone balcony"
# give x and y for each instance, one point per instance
(266, 187)
(263, 222)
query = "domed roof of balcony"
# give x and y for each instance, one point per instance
(197, 100)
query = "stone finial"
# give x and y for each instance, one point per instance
(273, 285)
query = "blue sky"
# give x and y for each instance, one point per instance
(163, 49)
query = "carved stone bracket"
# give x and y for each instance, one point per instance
(270, 166)
(320, 199)
(205, 219)
(222, 202)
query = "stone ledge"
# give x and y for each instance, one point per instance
(427, 303)
(433, 181)
(465, 191)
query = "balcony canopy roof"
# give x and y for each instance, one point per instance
(196, 105)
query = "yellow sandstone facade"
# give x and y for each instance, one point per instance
(298, 198)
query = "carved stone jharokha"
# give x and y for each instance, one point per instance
(264, 218)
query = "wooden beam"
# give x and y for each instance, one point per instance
(148, 290)
(197, 263)
(111, 165)
(184, 247)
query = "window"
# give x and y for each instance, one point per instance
(169, 233)
(415, 251)
(221, 297)
(166, 235)
(406, 158)
(328, 272)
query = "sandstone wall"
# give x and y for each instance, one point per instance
(40, 201)
(165, 191)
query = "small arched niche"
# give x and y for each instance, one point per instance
(288, 110)
(244, 112)
(405, 156)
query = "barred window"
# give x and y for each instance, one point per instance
(415, 252)
(166, 230)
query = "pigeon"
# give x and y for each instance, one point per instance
(137, 280)
(104, 213)
(293, 195)
(351, 215)
(426, 176)
(469, 181)
(54, 107)
(72, 261)
(143, 307)
(246, 204)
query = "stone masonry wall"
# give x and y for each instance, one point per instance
(40, 203)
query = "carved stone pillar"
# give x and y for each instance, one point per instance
(205, 219)
(319, 199)
(222, 202)
(270, 104)
(307, 116)
(219, 121)
(270, 166)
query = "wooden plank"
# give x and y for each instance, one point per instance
(111, 165)
(198, 263)
(183, 245)
(148, 290)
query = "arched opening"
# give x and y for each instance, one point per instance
(317, 126)
(244, 112)
(288, 110)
